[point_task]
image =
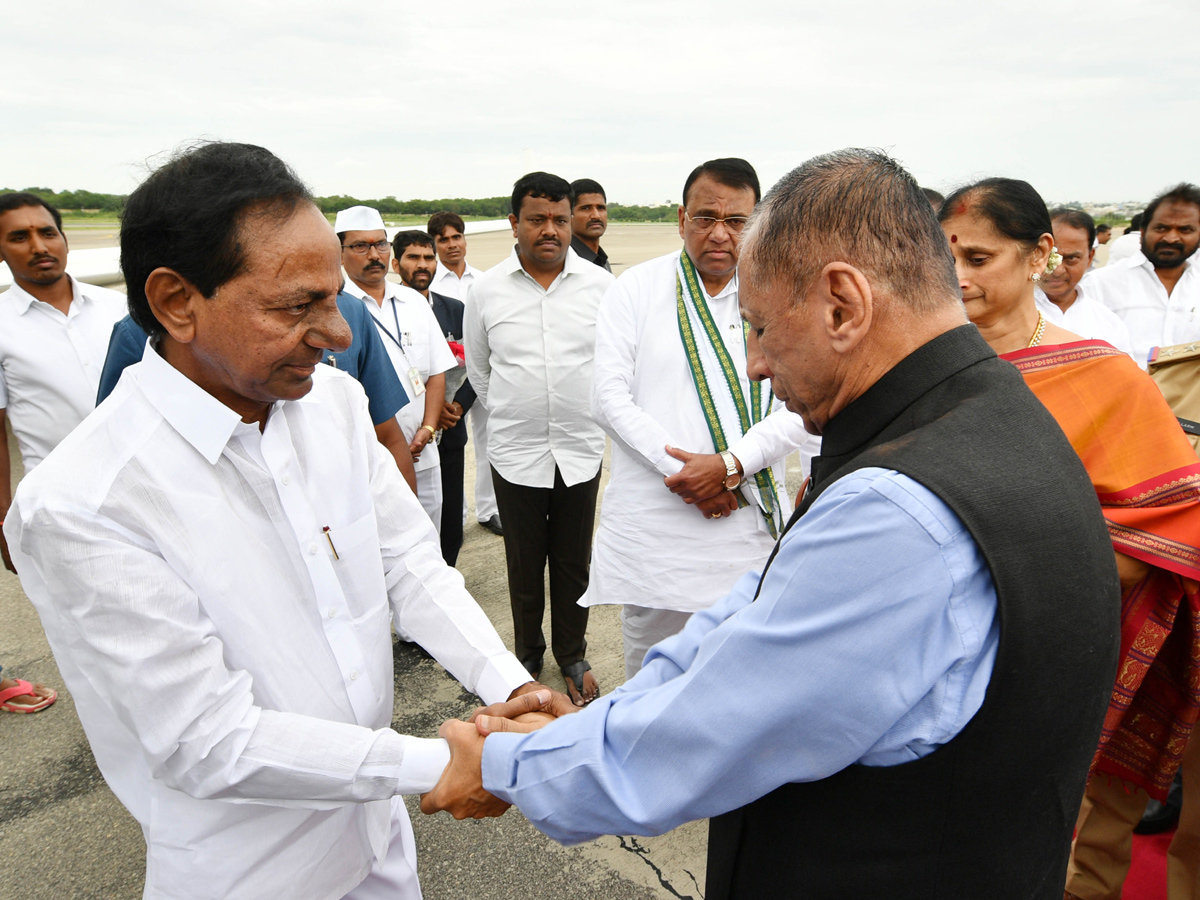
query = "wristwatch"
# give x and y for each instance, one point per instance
(732, 476)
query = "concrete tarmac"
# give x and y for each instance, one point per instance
(63, 834)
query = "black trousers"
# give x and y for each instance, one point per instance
(452, 499)
(551, 525)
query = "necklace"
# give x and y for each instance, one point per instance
(1037, 332)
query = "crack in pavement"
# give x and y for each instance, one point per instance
(643, 853)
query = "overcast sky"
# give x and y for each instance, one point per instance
(1089, 101)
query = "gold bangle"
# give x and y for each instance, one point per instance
(432, 430)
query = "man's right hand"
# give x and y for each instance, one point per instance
(541, 706)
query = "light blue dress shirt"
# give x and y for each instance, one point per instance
(872, 641)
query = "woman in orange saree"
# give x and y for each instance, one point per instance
(1147, 478)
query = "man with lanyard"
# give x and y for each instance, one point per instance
(453, 278)
(413, 339)
(678, 528)
(414, 260)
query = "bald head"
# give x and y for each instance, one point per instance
(854, 206)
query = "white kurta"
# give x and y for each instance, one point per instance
(234, 675)
(652, 549)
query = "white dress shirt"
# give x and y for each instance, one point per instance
(50, 363)
(651, 548)
(448, 284)
(1127, 245)
(1088, 318)
(413, 339)
(233, 675)
(529, 358)
(1132, 290)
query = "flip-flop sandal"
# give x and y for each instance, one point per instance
(20, 689)
(574, 675)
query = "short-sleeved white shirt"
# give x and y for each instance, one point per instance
(50, 363)
(418, 344)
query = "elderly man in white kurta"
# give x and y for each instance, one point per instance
(218, 552)
(670, 344)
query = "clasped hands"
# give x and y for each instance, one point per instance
(701, 482)
(460, 790)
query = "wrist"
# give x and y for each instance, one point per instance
(432, 431)
(733, 470)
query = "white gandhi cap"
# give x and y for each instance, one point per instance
(358, 218)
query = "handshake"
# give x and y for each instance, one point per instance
(460, 790)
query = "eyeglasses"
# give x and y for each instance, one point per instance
(361, 247)
(705, 224)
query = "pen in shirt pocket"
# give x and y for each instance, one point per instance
(329, 538)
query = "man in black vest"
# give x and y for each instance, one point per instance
(906, 702)
(414, 260)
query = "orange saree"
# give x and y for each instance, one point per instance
(1147, 478)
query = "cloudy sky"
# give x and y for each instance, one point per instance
(1087, 100)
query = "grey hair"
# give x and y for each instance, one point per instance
(855, 206)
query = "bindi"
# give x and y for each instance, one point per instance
(954, 238)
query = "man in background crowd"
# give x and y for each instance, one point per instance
(589, 221)
(1128, 244)
(1066, 288)
(1156, 292)
(414, 260)
(530, 339)
(1103, 233)
(53, 332)
(53, 336)
(453, 278)
(683, 519)
(413, 339)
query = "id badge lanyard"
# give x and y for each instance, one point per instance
(414, 374)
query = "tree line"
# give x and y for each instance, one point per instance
(483, 208)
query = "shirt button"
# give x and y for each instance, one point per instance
(354, 675)
(312, 549)
(332, 613)
(286, 481)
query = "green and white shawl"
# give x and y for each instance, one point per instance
(730, 409)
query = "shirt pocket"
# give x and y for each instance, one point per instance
(358, 563)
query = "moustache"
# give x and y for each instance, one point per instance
(1163, 245)
(551, 241)
(44, 258)
(373, 265)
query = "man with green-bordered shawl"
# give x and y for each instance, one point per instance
(697, 494)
